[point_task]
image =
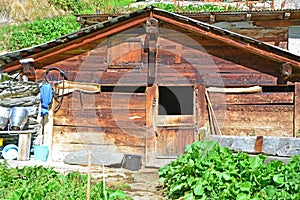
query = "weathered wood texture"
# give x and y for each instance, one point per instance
(173, 142)
(268, 27)
(276, 34)
(119, 120)
(198, 66)
(151, 112)
(113, 119)
(200, 60)
(260, 114)
(24, 145)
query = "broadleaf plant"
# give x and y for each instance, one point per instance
(208, 171)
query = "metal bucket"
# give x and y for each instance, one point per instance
(4, 116)
(18, 118)
(132, 162)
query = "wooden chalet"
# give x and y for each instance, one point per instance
(150, 82)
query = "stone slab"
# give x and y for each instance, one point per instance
(99, 157)
(275, 146)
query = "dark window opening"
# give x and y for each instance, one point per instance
(287, 88)
(125, 89)
(175, 100)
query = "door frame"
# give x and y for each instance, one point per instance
(152, 97)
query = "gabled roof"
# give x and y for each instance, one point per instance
(10, 61)
(275, 17)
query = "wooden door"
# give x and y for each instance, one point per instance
(172, 122)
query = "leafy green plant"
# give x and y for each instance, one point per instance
(44, 183)
(193, 8)
(90, 7)
(40, 31)
(208, 171)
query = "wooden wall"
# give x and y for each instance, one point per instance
(269, 113)
(100, 119)
(113, 118)
(117, 119)
(258, 114)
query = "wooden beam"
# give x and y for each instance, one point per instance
(152, 30)
(151, 131)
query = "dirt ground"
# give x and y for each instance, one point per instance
(139, 185)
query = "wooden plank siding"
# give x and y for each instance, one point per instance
(116, 120)
(121, 121)
(259, 114)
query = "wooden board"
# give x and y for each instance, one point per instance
(105, 100)
(101, 118)
(98, 136)
(172, 142)
(256, 120)
(254, 99)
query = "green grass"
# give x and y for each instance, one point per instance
(59, 18)
(40, 31)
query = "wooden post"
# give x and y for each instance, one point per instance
(24, 145)
(152, 31)
(202, 107)
(48, 130)
(178, 54)
(297, 110)
(151, 106)
(88, 187)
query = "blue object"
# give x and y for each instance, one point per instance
(46, 95)
(10, 152)
(41, 153)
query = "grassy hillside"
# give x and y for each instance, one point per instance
(25, 23)
(17, 11)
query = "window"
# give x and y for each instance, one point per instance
(175, 100)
